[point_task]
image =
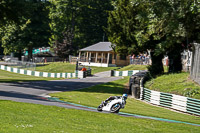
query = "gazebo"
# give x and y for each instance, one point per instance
(101, 54)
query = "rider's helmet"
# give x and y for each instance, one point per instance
(125, 96)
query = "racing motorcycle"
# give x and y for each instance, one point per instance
(113, 104)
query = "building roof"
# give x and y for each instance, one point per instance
(101, 46)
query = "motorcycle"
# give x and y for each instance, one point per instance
(112, 106)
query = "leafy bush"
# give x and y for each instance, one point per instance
(189, 92)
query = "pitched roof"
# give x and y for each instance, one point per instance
(101, 46)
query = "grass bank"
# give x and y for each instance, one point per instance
(57, 67)
(139, 67)
(133, 67)
(6, 76)
(20, 118)
(93, 96)
(175, 83)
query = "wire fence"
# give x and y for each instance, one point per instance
(145, 61)
(21, 64)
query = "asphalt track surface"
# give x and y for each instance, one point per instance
(37, 93)
(31, 92)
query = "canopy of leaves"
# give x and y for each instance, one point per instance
(84, 19)
(158, 25)
(30, 30)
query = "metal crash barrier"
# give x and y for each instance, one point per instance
(172, 101)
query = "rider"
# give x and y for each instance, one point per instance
(124, 96)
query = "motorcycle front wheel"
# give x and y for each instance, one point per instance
(99, 108)
(115, 108)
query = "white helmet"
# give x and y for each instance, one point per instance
(125, 96)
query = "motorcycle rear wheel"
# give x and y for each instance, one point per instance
(115, 108)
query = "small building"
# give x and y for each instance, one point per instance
(102, 54)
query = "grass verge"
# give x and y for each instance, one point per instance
(133, 67)
(6, 76)
(139, 67)
(57, 67)
(20, 118)
(175, 83)
(94, 95)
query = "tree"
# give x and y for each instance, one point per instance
(29, 31)
(174, 24)
(84, 19)
(12, 39)
(1, 49)
(63, 49)
(159, 26)
(10, 10)
(37, 32)
(63, 16)
(93, 21)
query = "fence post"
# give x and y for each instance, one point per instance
(112, 73)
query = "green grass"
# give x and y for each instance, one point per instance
(139, 67)
(57, 67)
(102, 69)
(93, 96)
(133, 67)
(20, 118)
(6, 76)
(175, 83)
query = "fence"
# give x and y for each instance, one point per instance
(20, 64)
(72, 59)
(39, 74)
(124, 73)
(43, 59)
(180, 103)
(93, 59)
(145, 61)
(172, 101)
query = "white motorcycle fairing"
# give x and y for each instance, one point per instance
(113, 106)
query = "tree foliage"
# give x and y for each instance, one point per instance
(30, 30)
(163, 27)
(83, 19)
(10, 10)
(64, 48)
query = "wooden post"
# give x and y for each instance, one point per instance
(79, 55)
(102, 58)
(108, 58)
(87, 57)
(90, 57)
(84, 58)
(96, 57)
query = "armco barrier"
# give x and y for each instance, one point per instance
(180, 103)
(123, 73)
(39, 74)
(172, 101)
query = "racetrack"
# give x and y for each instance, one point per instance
(37, 93)
(29, 92)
